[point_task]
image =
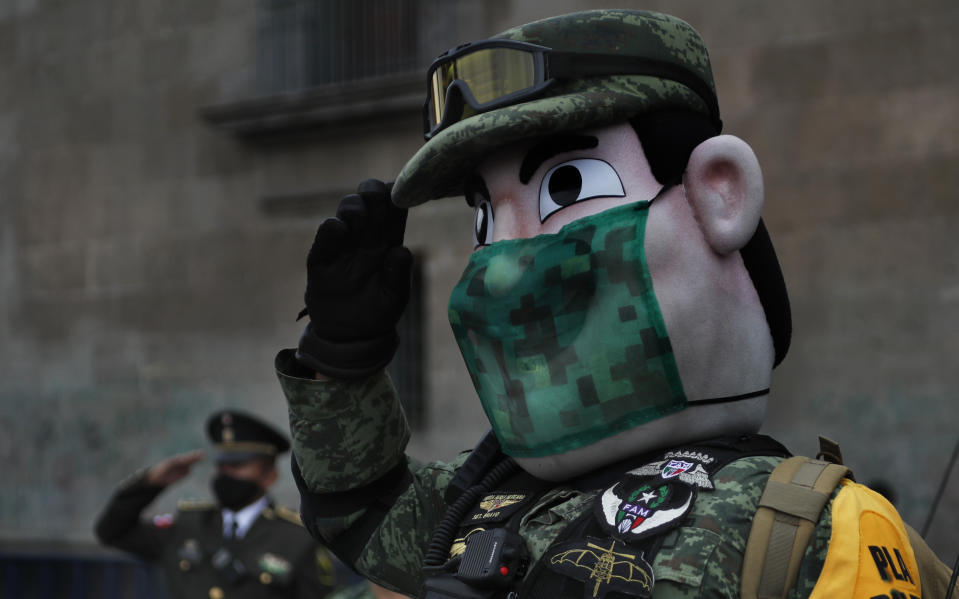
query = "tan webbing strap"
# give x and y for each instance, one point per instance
(933, 574)
(795, 501)
(795, 494)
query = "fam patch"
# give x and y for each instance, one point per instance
(496, 507)
(635, 508)
(602, 566)
(689, 467)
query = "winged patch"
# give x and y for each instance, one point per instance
(691, 473)
(637, 508)
(603, 568)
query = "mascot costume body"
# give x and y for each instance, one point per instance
(620, 319)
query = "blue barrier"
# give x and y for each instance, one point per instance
(67, 576)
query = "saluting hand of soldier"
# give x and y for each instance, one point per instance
(358, 285)
(173, 469)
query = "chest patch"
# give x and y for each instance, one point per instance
(636, 508)
(274, 564)
(163, 520)
(689, 467)
(602, 565)
(496, 507)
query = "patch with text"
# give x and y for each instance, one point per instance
(496, 507)
(636, 508)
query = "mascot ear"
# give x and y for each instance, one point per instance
(724, 187)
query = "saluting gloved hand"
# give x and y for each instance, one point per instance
(357, 285)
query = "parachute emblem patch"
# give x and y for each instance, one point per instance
(603, 567)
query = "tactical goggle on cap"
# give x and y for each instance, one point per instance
(559, 74)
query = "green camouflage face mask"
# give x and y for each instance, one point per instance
(563, 337)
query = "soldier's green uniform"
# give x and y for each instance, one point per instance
(273, 557)
(702, 558)
(278, 558)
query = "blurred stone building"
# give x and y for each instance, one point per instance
(164, 164)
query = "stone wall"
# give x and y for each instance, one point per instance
(145, 280)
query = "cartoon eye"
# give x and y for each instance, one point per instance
(575, 181)
(477, 196)
(483, 223)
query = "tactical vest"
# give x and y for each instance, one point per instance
(608, 549)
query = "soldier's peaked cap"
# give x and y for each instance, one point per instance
(438, 169)
(238, 436)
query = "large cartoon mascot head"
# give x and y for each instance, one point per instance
(624, 295)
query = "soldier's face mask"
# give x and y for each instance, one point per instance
(235, 493)
(563, 336)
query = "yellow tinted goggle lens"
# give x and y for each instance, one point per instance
(489, 73)
(439, 83)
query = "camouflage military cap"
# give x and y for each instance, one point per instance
(437, 170)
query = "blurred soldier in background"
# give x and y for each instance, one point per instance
(240, 546)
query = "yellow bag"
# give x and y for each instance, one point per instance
(869, 552)
(872, 553)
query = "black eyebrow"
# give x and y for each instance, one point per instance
(552, 146)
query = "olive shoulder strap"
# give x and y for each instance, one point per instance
(794, 497)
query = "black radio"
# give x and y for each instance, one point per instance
(492, 561)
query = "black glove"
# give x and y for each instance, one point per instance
(357, 285)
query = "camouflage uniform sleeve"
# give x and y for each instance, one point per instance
(360, 494)
(393, 556)
(346, 434)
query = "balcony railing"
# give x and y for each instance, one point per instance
(307, 43)
(333, 61)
